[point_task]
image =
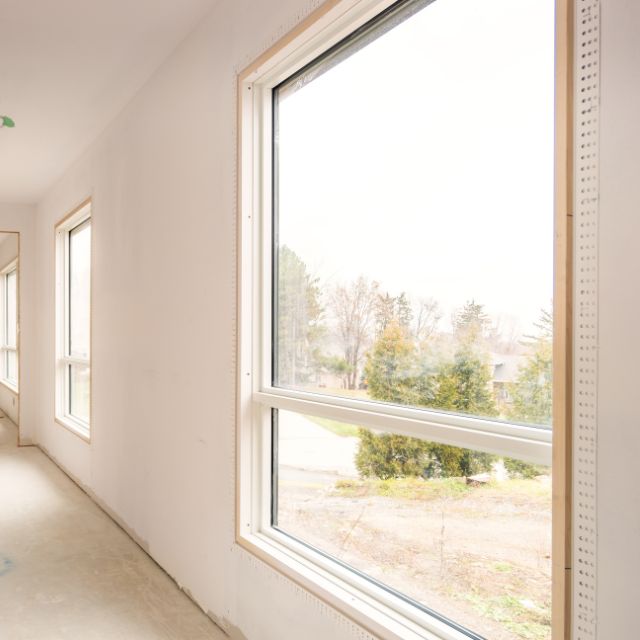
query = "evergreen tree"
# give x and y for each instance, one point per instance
(390, 370)
(531, 393)
(299, 315)
(392, 376)
(464, 386)
(388, 455)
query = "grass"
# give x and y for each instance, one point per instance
(524, 618)
(405, 488)
(341, 429)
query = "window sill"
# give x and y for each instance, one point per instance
(75, 426)
(13, 388)
(370, 607)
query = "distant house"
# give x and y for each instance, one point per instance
(504, 371)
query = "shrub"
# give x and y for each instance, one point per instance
(388, 456)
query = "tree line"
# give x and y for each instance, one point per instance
(393, 347)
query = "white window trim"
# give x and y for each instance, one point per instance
(370, 606)
(63, 359)
(5, 348)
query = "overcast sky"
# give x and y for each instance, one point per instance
(425, 160)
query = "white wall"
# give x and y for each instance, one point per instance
(9, 399)
(618, 586)
(20, 218)
(163, 178)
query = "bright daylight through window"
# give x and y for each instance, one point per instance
(405, 392)
(9, 362)
(73, 245)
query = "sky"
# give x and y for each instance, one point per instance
(425, 160)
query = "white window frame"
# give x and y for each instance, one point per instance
(5, 347)
(380, 612)
(63, 356)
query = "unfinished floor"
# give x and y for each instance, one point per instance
(68, 572)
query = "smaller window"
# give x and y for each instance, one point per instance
(9, 342)
(73, 322)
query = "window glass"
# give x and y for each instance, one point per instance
(79, 290)
(12, 366)
(465, 534)
(413, 218)
(79, 386)
(11, 308)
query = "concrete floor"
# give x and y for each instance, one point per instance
(68, 572)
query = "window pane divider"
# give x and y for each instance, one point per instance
(82, 362)
(532, 444)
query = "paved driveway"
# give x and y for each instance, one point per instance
(310, 447)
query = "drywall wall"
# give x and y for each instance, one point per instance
(8, 397)
(618, 589)
(162, 178)
(20, 218)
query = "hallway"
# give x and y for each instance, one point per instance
(68, 572)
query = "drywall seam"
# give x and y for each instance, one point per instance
(586, 197)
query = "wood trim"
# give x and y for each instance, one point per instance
(9, 264)
(563, 322)
(287, 39)
(82, 205)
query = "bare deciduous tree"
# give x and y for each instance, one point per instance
(353, 307)
(427, 319)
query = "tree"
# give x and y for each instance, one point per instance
(462, 386)
(335, 365)
(470, 324)
(389, 309)
(427, 319)
(299, 316)
(531, 393)
(388, 455)
(391, 369)
(353, 307)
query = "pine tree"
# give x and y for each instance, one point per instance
(531, 393)
(299, 315)
(390, 370)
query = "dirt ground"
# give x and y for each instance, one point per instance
(479, 556)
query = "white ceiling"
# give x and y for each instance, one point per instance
(67, 67)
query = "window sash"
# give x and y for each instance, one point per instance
(381, 613)
(6, 376)
(8, 346)
(65, 360)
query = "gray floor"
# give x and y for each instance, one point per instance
(68, 572)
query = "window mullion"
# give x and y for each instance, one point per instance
(526, 443)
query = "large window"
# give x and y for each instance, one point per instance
(9, 330)
(396, 329)
(73, 375)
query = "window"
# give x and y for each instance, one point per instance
(73, 367)
(396, 326)
(9, 357)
